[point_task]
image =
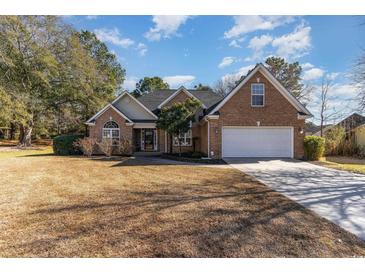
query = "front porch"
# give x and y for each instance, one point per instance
(145, 139)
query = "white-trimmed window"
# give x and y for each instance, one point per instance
(111, 130)
(185, 138)
(257, 95)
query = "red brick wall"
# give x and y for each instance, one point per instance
(125, 130)
(175, 149)
(238, 112)
(204, 138)
(180, 97)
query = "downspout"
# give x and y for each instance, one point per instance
(208, 138)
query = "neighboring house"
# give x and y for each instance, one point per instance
(258, 118)
(350, 123)
(310, 128)
(325, 128)
(360, 136)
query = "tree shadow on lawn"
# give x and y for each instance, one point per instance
(38, 155)
(341, 192)
(235, 218)
(144, 161)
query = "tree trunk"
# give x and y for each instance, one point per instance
(12, 131)
(25, 137)
(322, 122)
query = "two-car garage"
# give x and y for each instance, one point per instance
(257, 142)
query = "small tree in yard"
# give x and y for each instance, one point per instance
(176, 119)
(334, 137)
(124, 146)
(86, 145)
(106, 147)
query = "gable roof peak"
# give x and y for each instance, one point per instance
(181, 89)
(273, 80)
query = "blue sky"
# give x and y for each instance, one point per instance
(186, 50)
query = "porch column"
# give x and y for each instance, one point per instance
(142, 139)
(156, 140)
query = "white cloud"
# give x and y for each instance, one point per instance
(258, 43)
(307, 66)
(178, 80)
(345, 90)
(238, 74)
(312, 74)
(165, 26)
(142, 49)
(333, 75)
(113, 36)
(91, 17)
(226, 61)
(294, 44)
(130, 83)
(248, 23)
(234, 44)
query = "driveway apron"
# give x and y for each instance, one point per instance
(338, 196)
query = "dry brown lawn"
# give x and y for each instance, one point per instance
(75, 207)
(343, 163)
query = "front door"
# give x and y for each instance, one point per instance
(149, 139)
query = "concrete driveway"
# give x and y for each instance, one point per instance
(338, 196)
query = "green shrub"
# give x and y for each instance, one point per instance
(335, 137)
(197, 154)
(64, 145)
(313, 147)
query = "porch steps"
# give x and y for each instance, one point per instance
(147, 153)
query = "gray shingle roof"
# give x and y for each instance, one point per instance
(153, 99)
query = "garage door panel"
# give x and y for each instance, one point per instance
(257, 142)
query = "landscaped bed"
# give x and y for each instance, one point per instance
(191, 158)
(54, 206)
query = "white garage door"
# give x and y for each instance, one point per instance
(257, 142)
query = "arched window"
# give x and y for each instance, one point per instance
(111, 130)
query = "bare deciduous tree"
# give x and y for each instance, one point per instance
(222, 87)
(86, 145)
(326, 112)
(305, 93)
(358, 76)
(106, 147)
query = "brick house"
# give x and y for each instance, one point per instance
(258, 118)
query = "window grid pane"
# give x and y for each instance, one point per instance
(185, 139)
(257, 100)
(257, 94)
(110, 133)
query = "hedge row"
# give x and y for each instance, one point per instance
(64, 145)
